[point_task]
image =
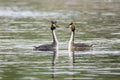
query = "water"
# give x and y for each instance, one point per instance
(24, 24)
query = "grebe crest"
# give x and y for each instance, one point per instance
(54, 45)
(53, 25)
(76, 46)
(71, 26)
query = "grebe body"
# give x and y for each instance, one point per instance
(54, 45)
(76, 46)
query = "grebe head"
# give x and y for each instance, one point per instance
(53, 25)
(71, 26)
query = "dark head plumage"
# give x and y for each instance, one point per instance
(71, 26)
(53, 25)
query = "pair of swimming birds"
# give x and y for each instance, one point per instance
(71, 46)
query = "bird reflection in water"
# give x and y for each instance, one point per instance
(54, 59)
(55, 67)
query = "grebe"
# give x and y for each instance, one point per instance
(54, 45)
(76, 46)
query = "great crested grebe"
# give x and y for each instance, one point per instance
(54, 45)
(76, 46)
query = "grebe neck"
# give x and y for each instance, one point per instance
(71, 41)
(72, 37)
(55, 41)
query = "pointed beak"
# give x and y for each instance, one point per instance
(68, 26)
(57, 26)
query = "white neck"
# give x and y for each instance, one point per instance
(71, 41)
(71, 38)
(54, 37)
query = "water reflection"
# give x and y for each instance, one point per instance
(72, 57)
(56, 68)
(24, 24)
(55, 57)
(53, 64)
